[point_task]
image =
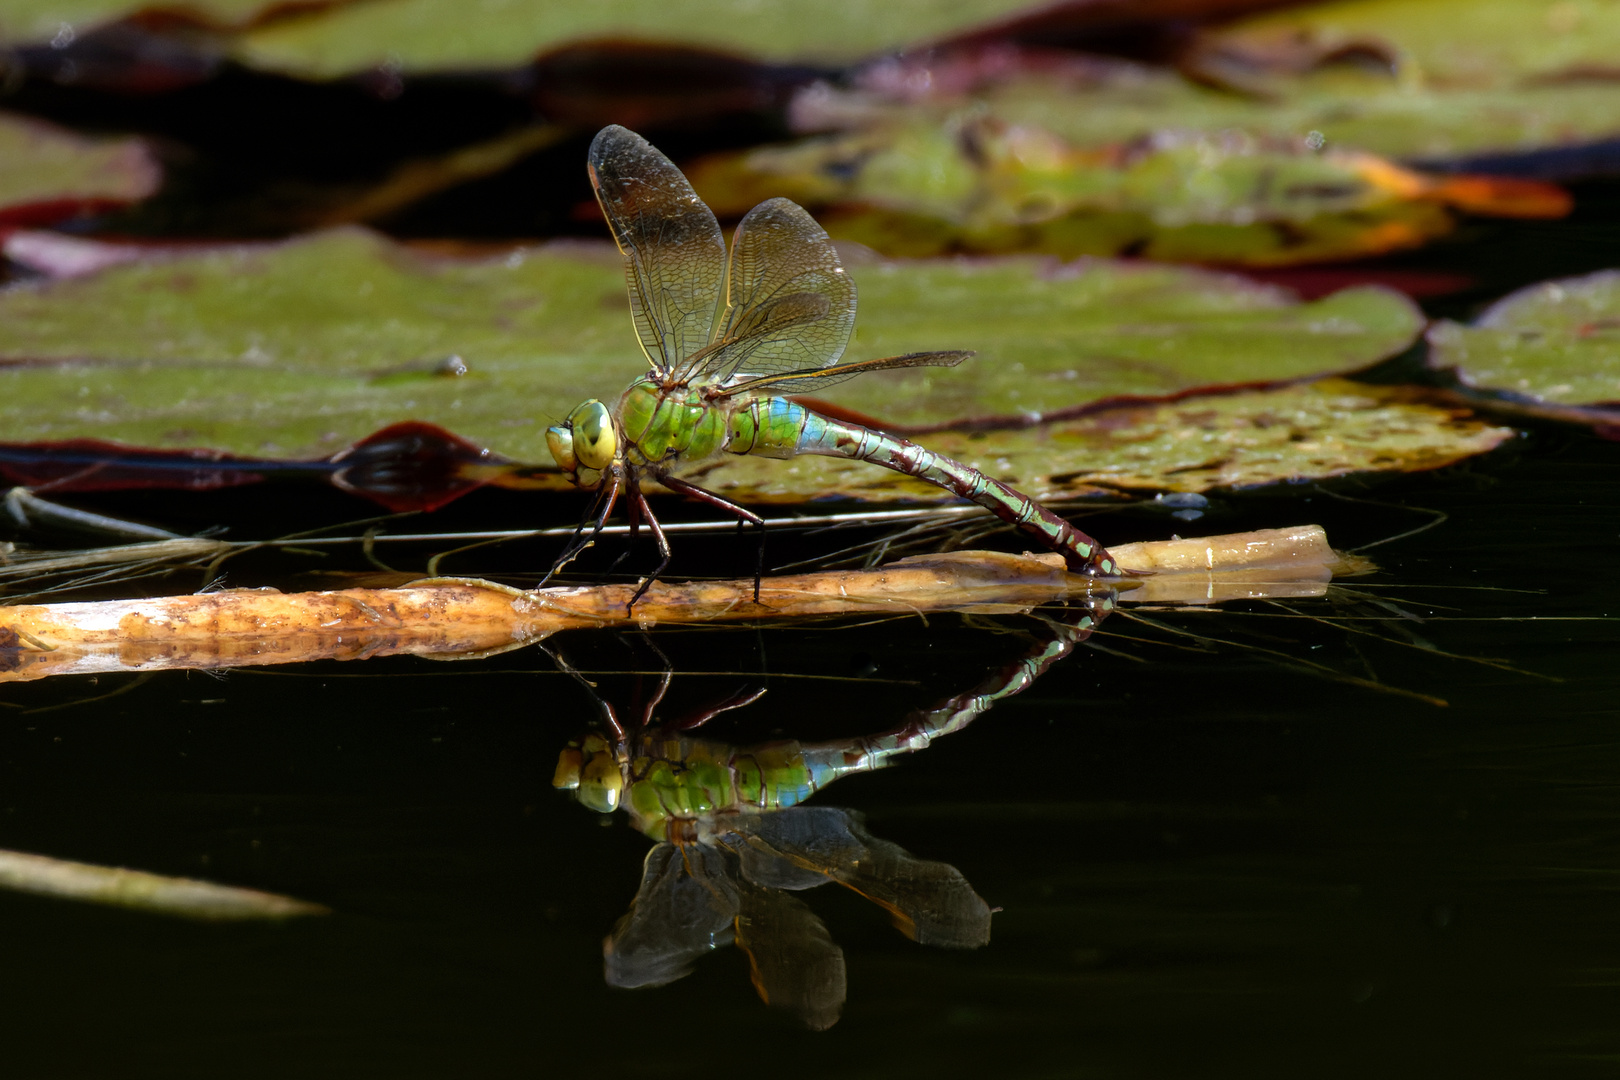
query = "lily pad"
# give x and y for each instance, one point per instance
(1557, 342)
(60, 22)
(428, 35)
(925, 185)
(1096, 103)
(1473, 43)
(1309, 432)
(47, 174)
(296, 350)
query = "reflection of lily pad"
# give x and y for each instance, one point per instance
(296, 350)
(1318, 430)
(41, 164)
(423, 35)
(1557, 342)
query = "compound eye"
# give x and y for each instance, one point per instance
(595, 441)
(561, 442)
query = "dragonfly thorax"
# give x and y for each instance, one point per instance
(665, 422)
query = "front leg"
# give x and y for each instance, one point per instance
(606, 495)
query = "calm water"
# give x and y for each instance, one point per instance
(1209, 860)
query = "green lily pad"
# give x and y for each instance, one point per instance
(429, 35)
(1379, 114)
(1557, 342)
(1313, 431)
(1463, 43)
(41, 163)
(33, 21)
(922, 185)
(296, 350)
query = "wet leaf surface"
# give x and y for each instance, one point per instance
(296, 350)
(47, 173)
(1315, 431)
(1557, 342)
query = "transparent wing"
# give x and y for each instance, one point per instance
(814, 381)
(931, 902)
(685, 908)
(789, 304)
(674, 255)
(793, 960)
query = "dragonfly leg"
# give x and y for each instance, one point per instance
(609, 717)
(663, 546)
(664, 679)
(630, 540)
(606, 496)
(743, 695)
(676, 484)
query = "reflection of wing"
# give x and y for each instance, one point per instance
(789, 304)
(930, 902)
(814, 381)
(793, 961)
(674, 255)
(685, 908)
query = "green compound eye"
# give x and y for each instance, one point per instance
(561, 442)
(595, 441)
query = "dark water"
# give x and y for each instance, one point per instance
(1208, 859)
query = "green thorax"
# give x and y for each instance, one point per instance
(662, 425)
(681, 424)
(676, 780)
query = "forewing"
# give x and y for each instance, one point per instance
(674, 254)
(789, 304)
(811, 382)
(685, 908)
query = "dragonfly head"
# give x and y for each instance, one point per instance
(590, 769)
(585, 442)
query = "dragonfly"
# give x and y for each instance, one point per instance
(734, 836)
(727, 341)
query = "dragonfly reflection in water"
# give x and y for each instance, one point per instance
(734, 839)
(722, 338)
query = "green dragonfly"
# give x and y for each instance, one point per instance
(723, 339)
(734, 836)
